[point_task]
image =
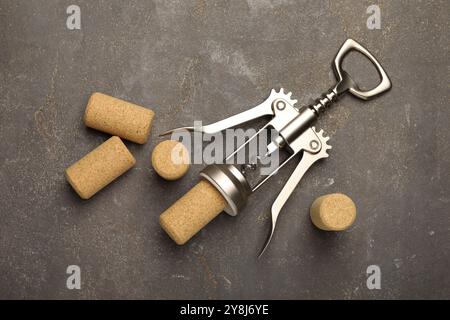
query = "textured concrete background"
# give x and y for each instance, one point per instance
(208, 60)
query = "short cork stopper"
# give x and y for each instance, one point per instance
(100, 167)
(118, 117)
(170, 159)
(192, 212)
(333, 212)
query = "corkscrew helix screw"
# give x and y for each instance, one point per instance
(295, 134)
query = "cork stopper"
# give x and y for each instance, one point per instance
(170, 159)
(333, 212)
(118, 117)
(99, 167)
(192, 212)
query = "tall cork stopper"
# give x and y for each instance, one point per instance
(118, 117)
(99, 167)
(192, 212)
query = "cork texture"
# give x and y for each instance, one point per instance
(118, 117)
(207, 60)
(192, 212)
(170, 159)
(333, 212)
(99, 167)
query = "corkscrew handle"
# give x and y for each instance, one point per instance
(345, 82)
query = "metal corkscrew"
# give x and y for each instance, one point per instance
(296, 134)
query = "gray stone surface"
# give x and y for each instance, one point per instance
(207, 60)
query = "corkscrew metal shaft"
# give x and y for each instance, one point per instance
(295, 134)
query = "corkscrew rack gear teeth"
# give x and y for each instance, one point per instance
(295, 134)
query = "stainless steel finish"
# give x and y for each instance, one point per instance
(263, 109)
(242, 146)
(324, 102)
(295, 134)
(308, 159)
(301, 143)
(297, 126)
(346, 83)
(231, 183)
(165, 133)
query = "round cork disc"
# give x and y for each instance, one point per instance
(333, 212)
(170, 159)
